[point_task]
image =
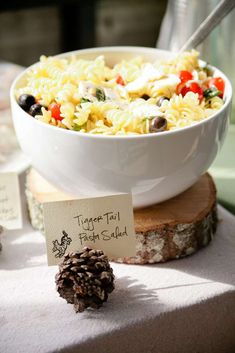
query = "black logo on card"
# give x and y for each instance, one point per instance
(60, 248)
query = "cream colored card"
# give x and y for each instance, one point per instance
(10, 206)
(104, 223)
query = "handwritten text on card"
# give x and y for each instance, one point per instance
(104, 223)
(10, 206)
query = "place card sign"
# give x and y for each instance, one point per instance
(104, 223)
(10, 205)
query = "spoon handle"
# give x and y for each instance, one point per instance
(214, 18)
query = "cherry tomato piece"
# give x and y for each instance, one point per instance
(120, 80)
(179, 87)
(217, 82)
(55, 111)
(192, 87)
(185, 76)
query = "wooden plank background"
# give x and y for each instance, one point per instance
(26, 34)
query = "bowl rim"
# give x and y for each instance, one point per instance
(124, 49)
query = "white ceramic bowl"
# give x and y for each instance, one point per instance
(154, 167)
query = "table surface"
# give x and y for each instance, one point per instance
(185, 305)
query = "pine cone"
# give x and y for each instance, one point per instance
(85, 278)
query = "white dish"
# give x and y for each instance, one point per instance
(154, 167)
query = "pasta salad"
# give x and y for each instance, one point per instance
(132, 97)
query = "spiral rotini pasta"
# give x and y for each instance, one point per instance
(132, 97)
(185, 61)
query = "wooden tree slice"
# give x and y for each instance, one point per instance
(177, 227)
(169, 230)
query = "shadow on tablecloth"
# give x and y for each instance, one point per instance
(19, 252)
(215, 262)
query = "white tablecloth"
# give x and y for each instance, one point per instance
(182, 306)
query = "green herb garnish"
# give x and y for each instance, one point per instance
(100, 95)
(211, 92)
(85, 100)
(207, 69)
(76, 128)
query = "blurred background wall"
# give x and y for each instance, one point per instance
(29, 29)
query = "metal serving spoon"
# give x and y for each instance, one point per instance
(214, 18)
